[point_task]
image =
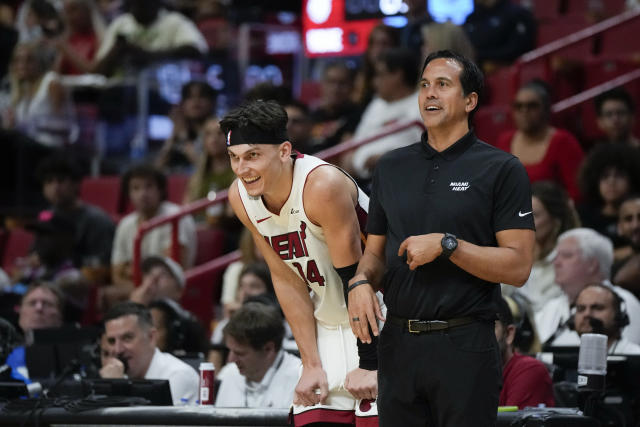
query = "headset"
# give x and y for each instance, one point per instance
(525, 335)
(621, 317)
(175, 322)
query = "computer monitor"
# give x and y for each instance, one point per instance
(157, 392)
(54, 349)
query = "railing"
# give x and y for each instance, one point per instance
(545, 52)
(588, 94)
(221, 197)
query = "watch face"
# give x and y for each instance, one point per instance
(449, 243)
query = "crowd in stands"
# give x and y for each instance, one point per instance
(79, 266)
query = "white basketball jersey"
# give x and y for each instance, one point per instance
(301, 244)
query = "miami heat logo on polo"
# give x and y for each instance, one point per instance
(292, 245)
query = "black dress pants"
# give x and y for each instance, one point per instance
(448, 378)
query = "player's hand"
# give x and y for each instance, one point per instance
(421, 249)
(312, 387)
(113, 368)
(364, 307)
(362, 384)
(146, 292)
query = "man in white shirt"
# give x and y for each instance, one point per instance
(600, 310)
(146, 188)
(582, 256)
(131, 341)
(145, 34)
(260, 374)
(396, 97)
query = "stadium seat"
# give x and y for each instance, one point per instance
(210, 244)
(492, 120)
(17, 245)
(201, 287)
(176, 187)
(102, 191)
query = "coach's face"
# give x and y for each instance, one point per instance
(441, 97)
(260, 167)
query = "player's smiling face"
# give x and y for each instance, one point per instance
(259, 166)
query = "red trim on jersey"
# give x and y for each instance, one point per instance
(371, 421)
(324, 415)
(305, 184)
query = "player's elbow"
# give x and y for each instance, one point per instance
(520, 275)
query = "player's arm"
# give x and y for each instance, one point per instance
(329, 201)
(293, 296)
(510, 262)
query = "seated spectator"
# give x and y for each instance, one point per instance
(94, 229)
(213, 172)
(547, 153)
(41, 307)
(182, 150)
(179, 332)
(299, 126)
(40, 106)
(626, 271)
(254, 279)
(500, 31)
(212, 20)
(525, 380)
(78, 46)
(162, 278)
(146, 188)
(411, 35)
(131, 339)
(381, 38)
(616, 116)
(336, 118)
(145, 34)
(249, 254)
(581, 257)
(553, 214)
(609, 174)
(599, 310)
(260, 374)
(446, 36)
(50, 259)
(395, 103)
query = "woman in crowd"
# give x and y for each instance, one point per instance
(381, 38)
(183, 148)
(79, 45)
(610, 173)
(40, 106)
(553, 214)
(547, 153)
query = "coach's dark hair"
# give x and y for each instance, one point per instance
(268, 116)
(615, 94)
(471, 78)
(127, 308)
(256, 324)
(145, 171)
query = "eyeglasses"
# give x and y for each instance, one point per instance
(529, 106)
(613, 113)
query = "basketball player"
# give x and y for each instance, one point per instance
(304, 216)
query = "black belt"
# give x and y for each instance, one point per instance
(417, 326)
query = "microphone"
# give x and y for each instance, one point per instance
(592, 362)
(124, 362)
(597, 326)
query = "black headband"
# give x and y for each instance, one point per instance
(252, 134)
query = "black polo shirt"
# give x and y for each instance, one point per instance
(472, 190)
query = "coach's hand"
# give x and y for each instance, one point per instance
(362, 384)
(312, 387)
(364, 310)
(421, 249)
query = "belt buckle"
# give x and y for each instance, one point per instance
(411, 330)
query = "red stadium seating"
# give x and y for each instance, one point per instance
(17, 245)
(491, 121)
(102, 191)
(176, 187)
(210, 244)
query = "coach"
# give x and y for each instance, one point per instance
(450, 217)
